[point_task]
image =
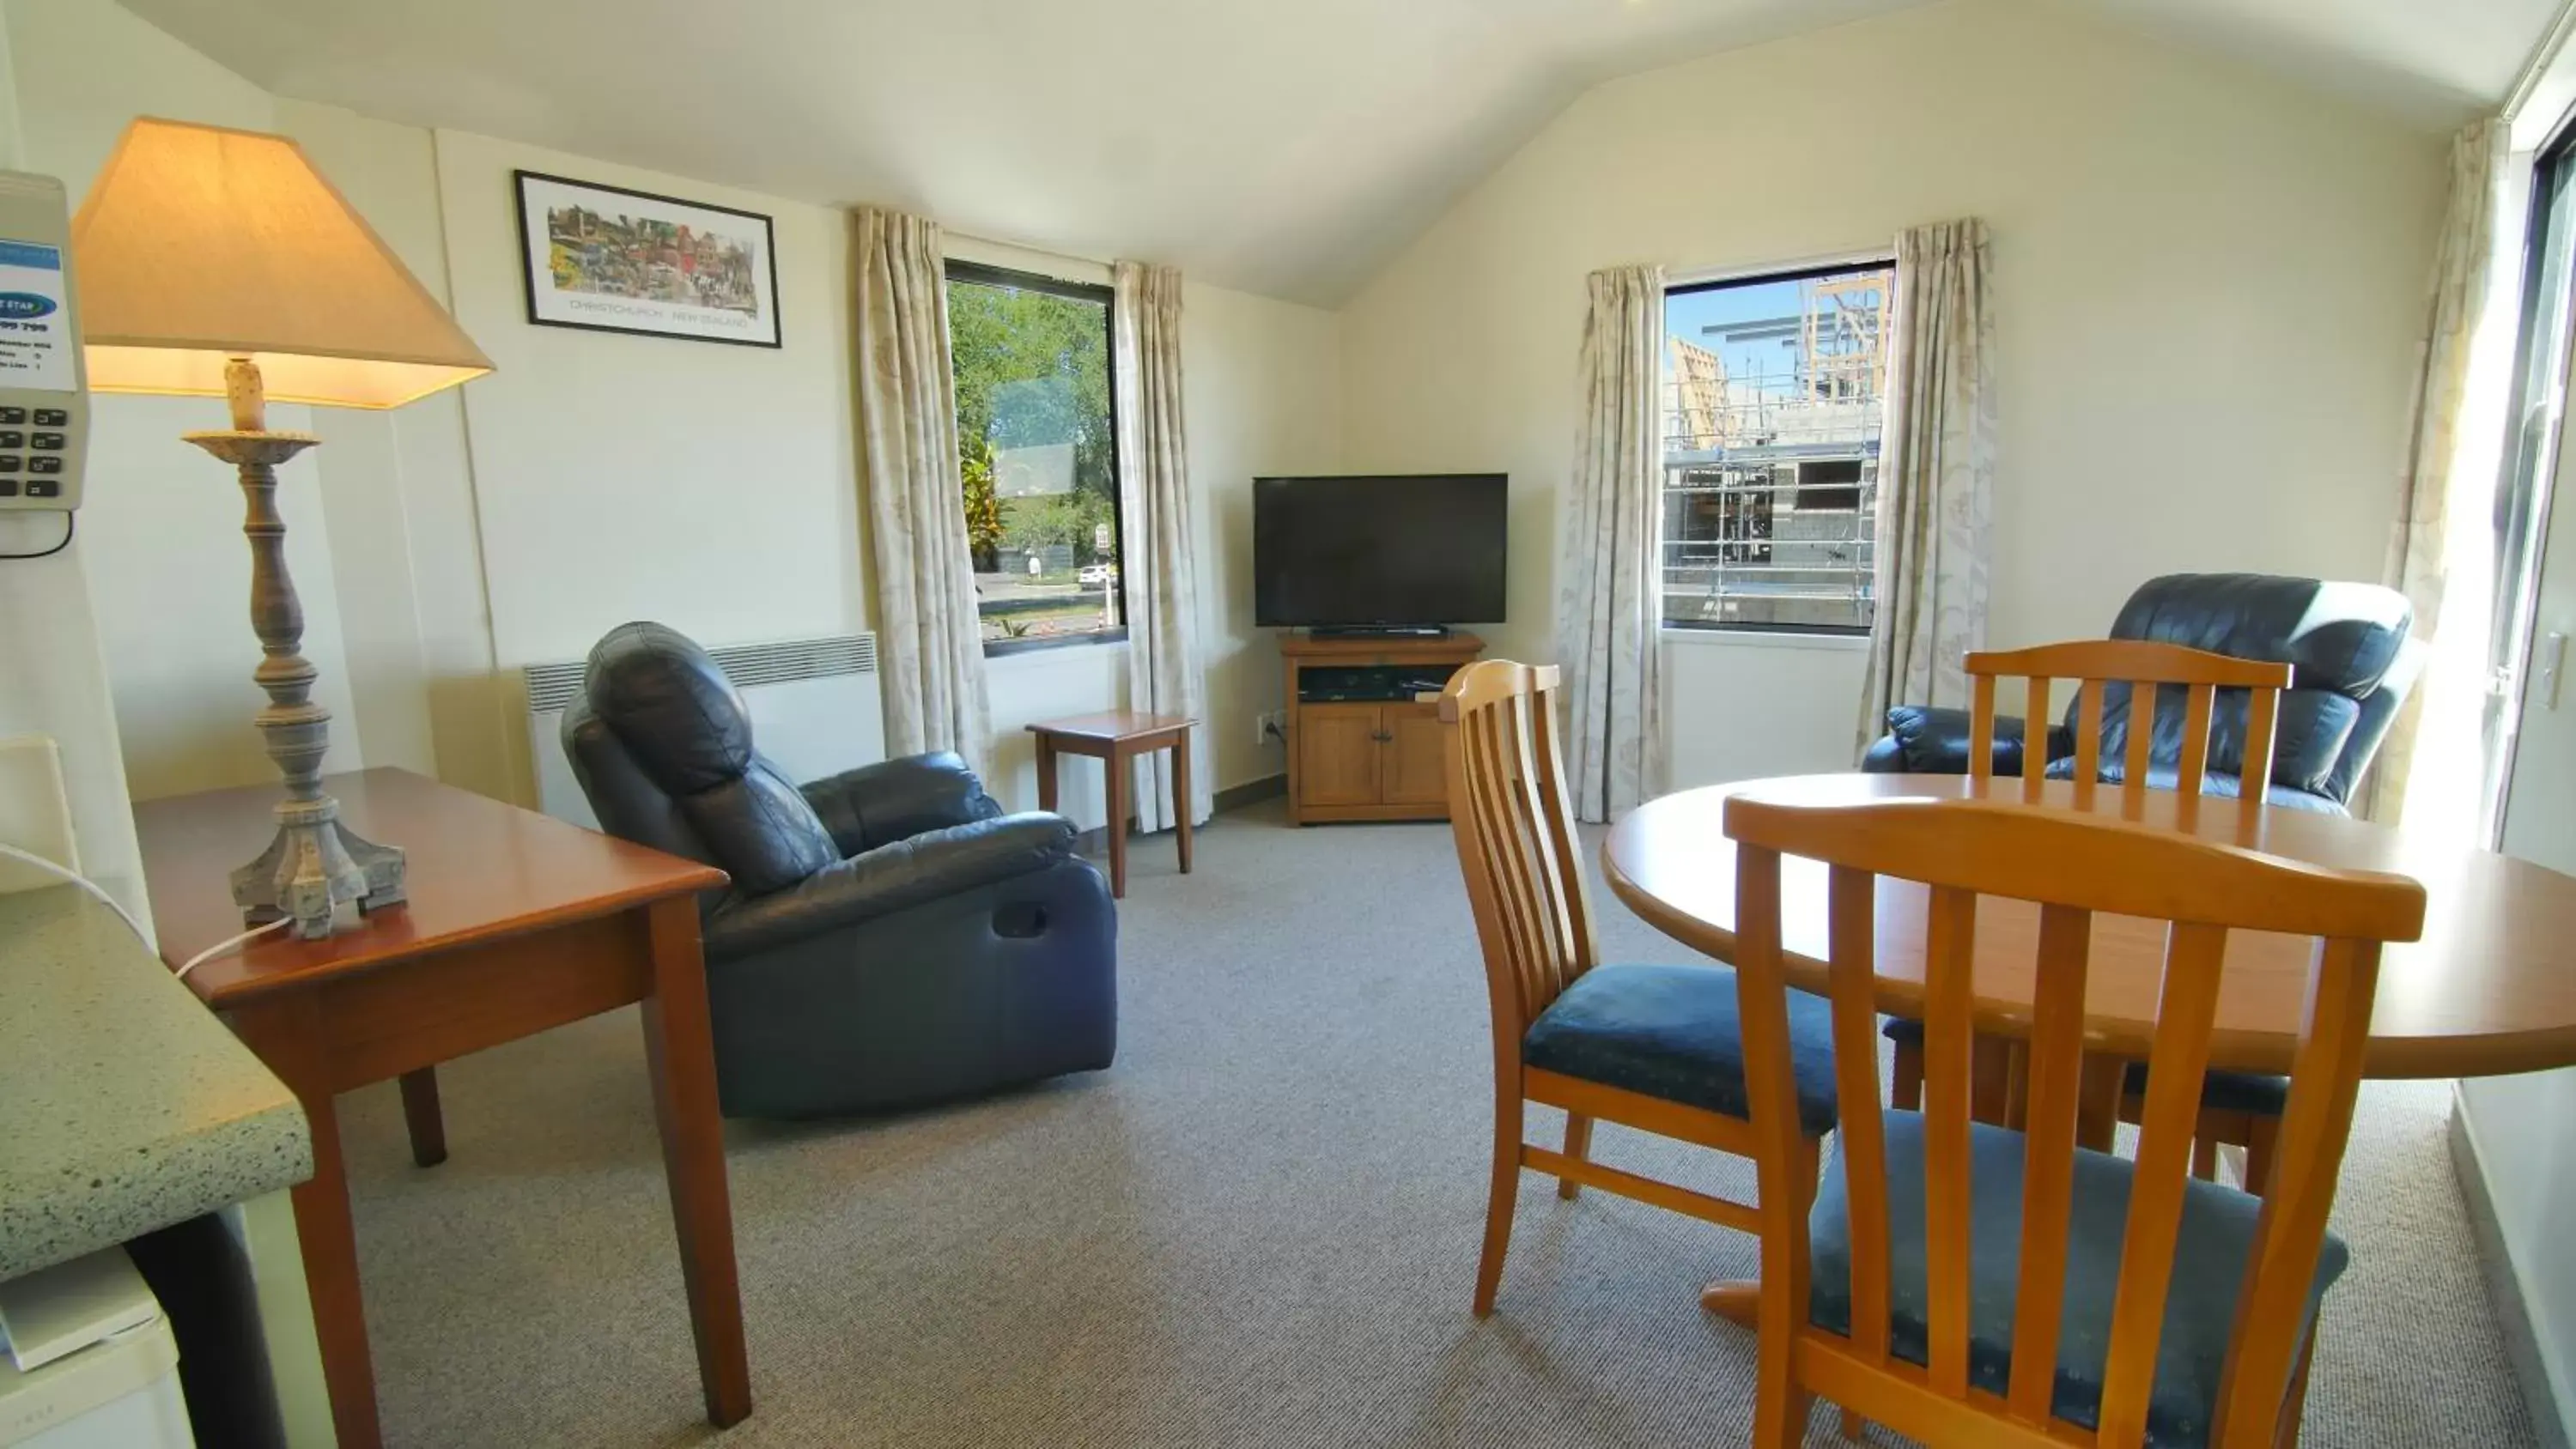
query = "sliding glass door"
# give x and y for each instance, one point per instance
(2534, 463)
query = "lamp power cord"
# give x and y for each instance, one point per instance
(73, 877)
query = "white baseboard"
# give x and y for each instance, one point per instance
(2522, 1337)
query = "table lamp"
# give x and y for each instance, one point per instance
(219, 263)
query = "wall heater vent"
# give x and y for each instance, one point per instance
(815, 711)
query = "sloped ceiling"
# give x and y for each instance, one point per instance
(1287, 147)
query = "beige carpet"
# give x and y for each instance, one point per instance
(1259, 1228)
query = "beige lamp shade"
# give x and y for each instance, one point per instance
(200, 243)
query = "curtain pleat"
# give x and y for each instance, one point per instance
(1157, 558)
(1936, 474)
(1610, 592)
(930, 649)
(2417, 543)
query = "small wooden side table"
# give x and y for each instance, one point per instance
(515, 923)
(1115, 738)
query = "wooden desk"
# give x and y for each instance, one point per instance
(2490, 990)
(1115, 738)
(516, 923)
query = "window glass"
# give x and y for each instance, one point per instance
(1037, 454)
(1773, 402)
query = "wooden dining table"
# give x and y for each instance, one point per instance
(2489, 989)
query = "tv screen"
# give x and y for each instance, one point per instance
(1357, 551)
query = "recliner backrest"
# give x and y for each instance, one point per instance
(2346, 643)
(663, 748)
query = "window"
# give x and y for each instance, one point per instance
(1036, 442)
(1773, 398)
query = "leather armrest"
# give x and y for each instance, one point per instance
(891, 878)
(877, 805)
(1924, 740)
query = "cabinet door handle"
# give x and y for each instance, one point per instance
(1383, 738)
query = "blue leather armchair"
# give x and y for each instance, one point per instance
(2352, 666)
(889, 938)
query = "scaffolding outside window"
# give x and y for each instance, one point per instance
(1773, 400)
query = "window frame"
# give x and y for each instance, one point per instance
(984, 274)
(1725, 279)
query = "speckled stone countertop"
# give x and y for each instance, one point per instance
(128, 1106)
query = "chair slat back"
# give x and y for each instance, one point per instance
(1513, 822)
(2140, 669)
(2071, 866)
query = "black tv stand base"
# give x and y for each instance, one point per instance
(1380, 631)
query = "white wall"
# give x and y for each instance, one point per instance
(593, 478)
(56, 675)
(711, 487)
(1263, 394)
(398, 500)
(169, 572)
(1736, 708)
(2208, 288)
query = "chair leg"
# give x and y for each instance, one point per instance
(2102, 1102)
(1780, 1407)
(1905, 1087)
(1578, 1145)
(2204, 1157)
(2295, 1407)
(1501, 1194)
(2262, 1135)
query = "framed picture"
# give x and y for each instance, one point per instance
(613, 260)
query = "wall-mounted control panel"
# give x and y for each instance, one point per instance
(44, 385)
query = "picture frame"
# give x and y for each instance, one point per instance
(608, 259)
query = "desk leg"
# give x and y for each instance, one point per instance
(287, 1036)
(421, 1115)
(1046, 774)
(681, 1054)
(1120, 777)
(1181, 794)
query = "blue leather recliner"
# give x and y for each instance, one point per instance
(2352, 660)
(889, 938)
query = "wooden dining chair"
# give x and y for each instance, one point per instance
(2108, 674)
(1653, 1047)
(2241, 1109)
(1969, 1284)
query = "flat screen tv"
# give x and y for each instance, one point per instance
(1380, 551)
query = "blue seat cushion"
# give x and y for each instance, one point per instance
(2218, 1226)
(1672, 1032)
(2248, 1092)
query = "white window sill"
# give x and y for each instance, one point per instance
(1764, 639)
(1068, 651)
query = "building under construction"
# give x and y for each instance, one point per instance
(1771, 471)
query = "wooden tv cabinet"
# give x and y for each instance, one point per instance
(1378, 756)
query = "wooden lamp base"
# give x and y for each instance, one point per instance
(314, 871)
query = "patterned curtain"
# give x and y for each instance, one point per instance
(1936, 473)
(930, 649)
(1610, 591)
(2416, 563)
(1157, 557)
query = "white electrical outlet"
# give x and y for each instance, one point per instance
(35, 811)
(1270, 725)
